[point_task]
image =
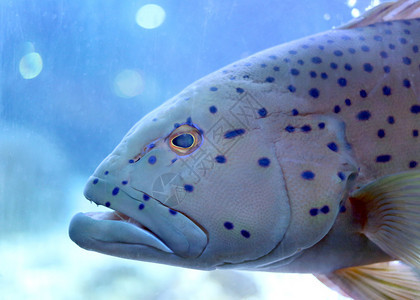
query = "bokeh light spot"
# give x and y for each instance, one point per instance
(150, 16)
(355, 12)
(30, 65)
(128, 84)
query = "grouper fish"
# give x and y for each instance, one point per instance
(301, 158)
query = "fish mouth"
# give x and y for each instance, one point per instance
(148, 223)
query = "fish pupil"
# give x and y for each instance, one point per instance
(185, 140)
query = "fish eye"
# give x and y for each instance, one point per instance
(184, 140)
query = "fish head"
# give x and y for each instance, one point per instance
(199, 182)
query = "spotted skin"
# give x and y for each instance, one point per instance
(286, 134)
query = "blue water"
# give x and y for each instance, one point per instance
(56, 127)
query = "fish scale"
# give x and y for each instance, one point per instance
(333, 71)
(301, 158)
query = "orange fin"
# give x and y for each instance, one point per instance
(388, 280)
(388, 11)
(389, 210)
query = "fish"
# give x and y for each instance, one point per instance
(302, 158)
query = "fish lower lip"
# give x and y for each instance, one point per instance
(173, 229)
(109, 228)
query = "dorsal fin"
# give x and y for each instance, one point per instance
(389, 11)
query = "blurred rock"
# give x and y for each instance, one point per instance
(33, 175)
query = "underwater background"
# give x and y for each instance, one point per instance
(74, 77)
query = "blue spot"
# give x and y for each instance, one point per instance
(220, 159)
(189, 121)
(264, 162)
(348, 67)
(387, 69)
(275, 68)
(343, 209)
(154, 120)
(124, 182)
(312, 74)
(364, 115)
(333, 146)
(146, 197)
(347, 102)
(403, 41)
(290, 128)
(305, 46)
(293, 52)
(363, 93)
(314, 93)
(383, 158)
(141, 206)
(321, 125)
(406, 60)
(115, 191)
(295, 112)
(338, 53)
(386, 90)
(176, 125)
(316, 60)
(300, 62)
(324, 75)
(377, 38)
(415, 109)
(306, 128)
(188, 187)
(406, 83)
(307, 175)
(263, 65)
(352, 50)
(383, 54)
(270, 79)
(95, 181)
(291, 88)
(107, 204)
(151, 146)
(337, 109)
(106, 172)
(213, 109)
(174, 160)
(325, 209)
(245, 234)
(294, 72)
(152, 160)
(415, 49)
(273, 57)
(313, 211)
(368, 67)
(342, 81)
(240, 90)
(333, 65)
(391, 120)
(381, 133)
(262, 112)
(172, 212)
(234, 133)
(320, 47)
(131, 161)
(391, 46)
(412, 164)
(365, 48)
(341, 175)
(415, 133)
(228, 225)
(213, 89)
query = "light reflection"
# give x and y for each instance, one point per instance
(355, 12)
(351, 3)
(128, 84)
(30, 65)
(150, 16)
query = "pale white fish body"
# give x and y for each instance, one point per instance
(252, 166)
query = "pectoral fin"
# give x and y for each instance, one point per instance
(389, 211)
(389, 280)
